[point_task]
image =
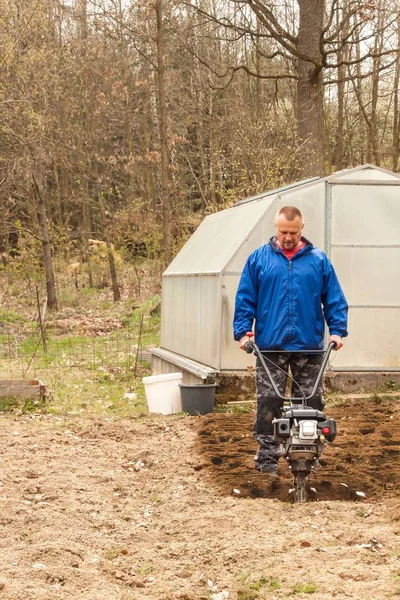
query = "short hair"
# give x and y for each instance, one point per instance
(290, 212)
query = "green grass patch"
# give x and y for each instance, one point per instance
(335, 399)
(251, 590)
(6, 339)
(274, 584)
(9, 316)
(81, 374)
(76, 392)
(117, 350)
(151, 332)
(391, 386)
(22, 405)
(305, 588)
(75, 349)
(147, 311)
(94, 374)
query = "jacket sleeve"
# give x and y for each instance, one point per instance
(334, 301)
(246, 301)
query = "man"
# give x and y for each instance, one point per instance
(289, 288)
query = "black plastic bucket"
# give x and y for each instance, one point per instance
(197, 398)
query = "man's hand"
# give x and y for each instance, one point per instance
(243, 342)
(338, 341)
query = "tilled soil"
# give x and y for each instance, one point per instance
(363, 458)
(113, 509)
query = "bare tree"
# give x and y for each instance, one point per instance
(163, 128)
(169, 109)
(38, 191)
(396, 115)
(309, 35)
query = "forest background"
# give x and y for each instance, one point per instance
(124, 123)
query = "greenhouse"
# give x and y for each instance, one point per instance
(353, 216)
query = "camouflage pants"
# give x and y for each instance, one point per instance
(304, 369)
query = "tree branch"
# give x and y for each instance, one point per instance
(358, 77)
(356, 61)
(330, 18)
(268, 17)
(232, 70)
(340, 27)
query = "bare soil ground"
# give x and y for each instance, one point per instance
(116, 509)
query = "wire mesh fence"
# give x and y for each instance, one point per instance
(26, 358)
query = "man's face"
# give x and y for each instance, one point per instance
(288, 233)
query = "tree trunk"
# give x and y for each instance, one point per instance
(364, 147)
(106, 236)
(163, 128)
(86, 230)
(373, 129)
(342, 55)
(211, 145)
(310, 89)
(199, 133)
(371, 118)
(41, 211)
(259, 84)
(113, 273)
(82, 29)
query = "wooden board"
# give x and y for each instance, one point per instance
(12, 388)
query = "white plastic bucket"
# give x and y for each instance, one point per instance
(163, 393)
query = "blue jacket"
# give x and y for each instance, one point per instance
(289, 300)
